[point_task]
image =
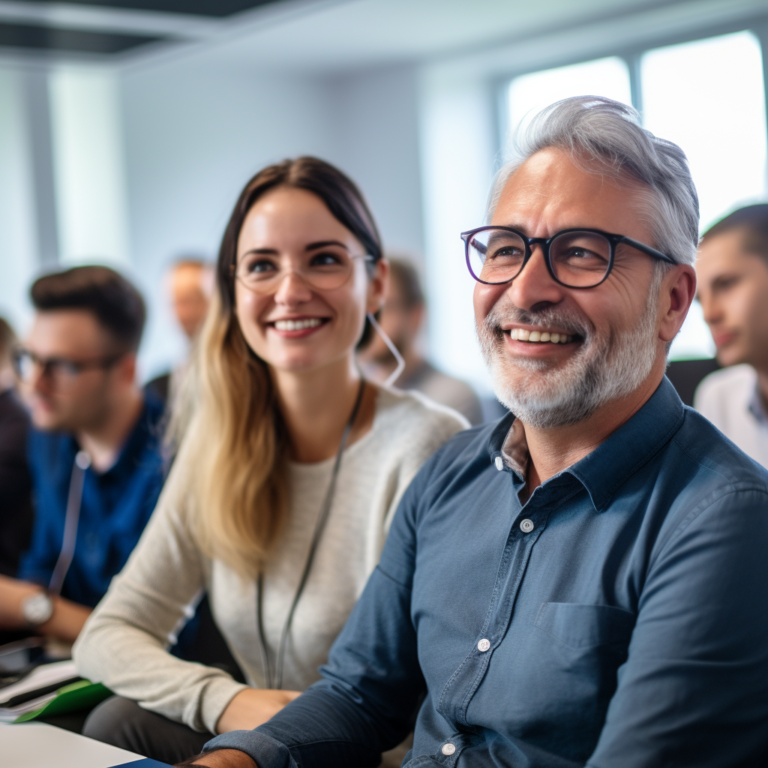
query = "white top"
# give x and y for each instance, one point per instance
(729, 399)
(123, 643)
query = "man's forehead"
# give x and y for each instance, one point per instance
(67, 331)
(553, 190)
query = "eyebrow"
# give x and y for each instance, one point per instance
(310, 247)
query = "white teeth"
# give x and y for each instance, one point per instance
(297, 325)
(539, 337)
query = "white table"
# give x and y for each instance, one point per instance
(38, 745)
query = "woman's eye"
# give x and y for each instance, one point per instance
(326, 260)
(259, 267)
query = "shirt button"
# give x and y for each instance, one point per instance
(448, 749)
(484, 645)
(499, 462)
(526, 526)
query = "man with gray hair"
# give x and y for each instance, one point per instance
(583, 582)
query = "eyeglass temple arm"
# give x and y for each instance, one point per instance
(647, 249)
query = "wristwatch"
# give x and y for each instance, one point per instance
(37, 609)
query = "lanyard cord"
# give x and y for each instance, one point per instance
(277, 681)
(74, 501)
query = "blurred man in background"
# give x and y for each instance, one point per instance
(15, 482)
(94, 453)
(190, 283)
(732, 271)
(401, 319)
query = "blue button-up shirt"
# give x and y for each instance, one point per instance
(115, 506)
(618, 618)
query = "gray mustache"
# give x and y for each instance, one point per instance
(566, 321)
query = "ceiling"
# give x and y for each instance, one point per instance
(108, 27)
(334, 36)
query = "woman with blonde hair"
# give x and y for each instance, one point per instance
(288, 472)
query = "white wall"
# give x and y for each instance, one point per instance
(18, 240)
(194, 133)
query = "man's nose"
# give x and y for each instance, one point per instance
(534, 285)
(292, 288)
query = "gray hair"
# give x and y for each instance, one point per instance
(608, 134)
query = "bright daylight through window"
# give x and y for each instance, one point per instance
(726, 146)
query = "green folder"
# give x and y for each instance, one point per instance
(72, 698)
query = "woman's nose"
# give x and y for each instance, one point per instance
(292, 288)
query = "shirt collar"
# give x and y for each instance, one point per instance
(605, 469)
(146, 431)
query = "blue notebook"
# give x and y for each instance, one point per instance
(145, 763)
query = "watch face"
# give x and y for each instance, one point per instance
(37, 609)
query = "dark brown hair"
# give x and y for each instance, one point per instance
(753, 222)
(114, 302)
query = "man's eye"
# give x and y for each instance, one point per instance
(583, 254)
(508, 252)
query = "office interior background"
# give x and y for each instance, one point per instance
(128, 127)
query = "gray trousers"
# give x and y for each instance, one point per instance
(123, 723)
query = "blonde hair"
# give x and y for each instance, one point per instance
(233, 446)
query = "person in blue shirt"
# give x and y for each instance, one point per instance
(583, 582)
(94, 453)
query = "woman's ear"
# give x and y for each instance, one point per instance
(378, 286)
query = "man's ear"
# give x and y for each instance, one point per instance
(677, 293)
(126, 367)
(378, 286)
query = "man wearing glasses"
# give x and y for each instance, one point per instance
(582, 583)
(94, 453)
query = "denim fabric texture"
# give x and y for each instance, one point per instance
(115, 507)
(625, 625)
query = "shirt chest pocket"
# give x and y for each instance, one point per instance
(586, 626)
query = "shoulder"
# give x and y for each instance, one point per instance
(713, 465)
(414, 414)
(725, 385)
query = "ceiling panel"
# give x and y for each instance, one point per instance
(214, 8)
(39, 38)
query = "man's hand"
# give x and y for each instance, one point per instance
(12, 594)
(252, 707)
(222, 758)
(65, 624)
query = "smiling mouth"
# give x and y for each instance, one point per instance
(540, 337)
(298, 325)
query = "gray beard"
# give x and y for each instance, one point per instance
(603, 369)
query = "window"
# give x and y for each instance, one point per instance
(708, 96)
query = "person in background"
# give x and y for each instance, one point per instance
(190, 283)
(94, 452)
(15, 481)
(583, 582)
(289, 469)
(732, 271)
(402, 317)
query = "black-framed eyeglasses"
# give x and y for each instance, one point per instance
(60, 370)
(575, 258)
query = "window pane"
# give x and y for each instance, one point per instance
(528, 94)
(708, 97)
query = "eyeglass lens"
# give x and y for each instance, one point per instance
(579, 259)
(324, 271)
(61, 371)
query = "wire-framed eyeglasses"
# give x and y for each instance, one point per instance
(324, 270)
(575, 258)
